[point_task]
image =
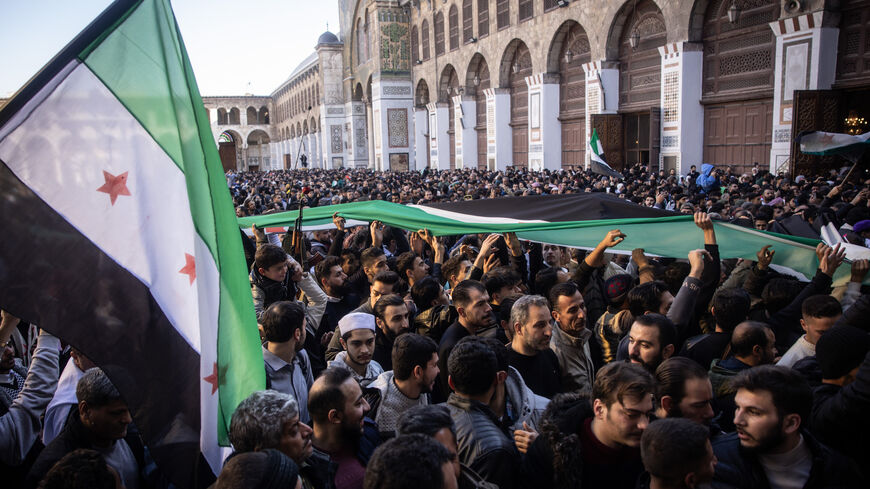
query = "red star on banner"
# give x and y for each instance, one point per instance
(827, 138)
(189, 267)
(115, 185)
(213, 379)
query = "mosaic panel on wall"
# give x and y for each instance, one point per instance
(395, 50)
(397, 127)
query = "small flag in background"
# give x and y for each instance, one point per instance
(121, 238)
(596, 158)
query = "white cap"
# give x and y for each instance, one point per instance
(356, 320)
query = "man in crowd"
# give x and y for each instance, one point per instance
(677, 454)
(341, 431)
(729, 307)
(772, 447)
(270, 420)
(752, 344)
(101, 424)
(435, 421)
(410, 461)
(530, 351)
(384, 284)
(651, 340)
(472, 305)
(357, 331)
(684, 391)
(483, 443)
(571, 337)
(594, 443)
(415, 369)
(333, 281)
(819, 313)
(288, 368)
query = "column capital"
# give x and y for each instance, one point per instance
(801, 23)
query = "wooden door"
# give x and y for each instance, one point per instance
(573, 143)
(738, 134)
(610, 134)
(814, 110)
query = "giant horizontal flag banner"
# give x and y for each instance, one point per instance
(574, 220)
(120, 236)
(832, 143)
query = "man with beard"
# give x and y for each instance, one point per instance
(415, 368)
(529, 351)
(342, 433)
(651, 340)
(391, 316)
(358, 340)
(570, 340)
(288, 368)
(684, 391)
(333, 281)
(772, 447)
(594, 442)
(677, 454)
(385, 284)
(411, 462)
(270, 420)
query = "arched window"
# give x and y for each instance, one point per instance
(482, 18)
(415, 45)
(222, 116)
(502, 13)
(526, 9)
(424, 39)
(467, 21)
(439, 33)
(235, 116)
(263, 115)
(453, 19)
(251, 114)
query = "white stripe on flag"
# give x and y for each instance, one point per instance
(61, 152)
(458, 216)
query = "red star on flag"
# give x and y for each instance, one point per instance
(115, 185)
(189, 267)
(213, 379)
(827, 138)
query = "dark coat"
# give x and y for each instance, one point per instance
(73, 437)
(738, 468)
(482, 443)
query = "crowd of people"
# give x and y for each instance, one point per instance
(399, 359)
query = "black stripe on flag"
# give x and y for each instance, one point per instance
(53, 276)
(554, 208)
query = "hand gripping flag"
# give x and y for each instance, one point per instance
(121, 237)
(596, 158)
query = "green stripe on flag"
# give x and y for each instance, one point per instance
(144, 63)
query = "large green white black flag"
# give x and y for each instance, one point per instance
(120, 235)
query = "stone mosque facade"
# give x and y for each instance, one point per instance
(444, 84)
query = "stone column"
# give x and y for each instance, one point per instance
(439, 141)
(806, 59)
(499, 137)
(465, 117)
(372, 137)
(421, 139)
(358, 151)
(682, 127)
(602, 92)
(545, 130)
(393, 104)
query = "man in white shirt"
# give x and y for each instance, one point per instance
(357, 331)
(820, 312)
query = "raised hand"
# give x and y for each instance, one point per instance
(832, 260)
(338, 221)
(765, 256)
(859, 270)
(612, 238)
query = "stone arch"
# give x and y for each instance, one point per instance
(421, 95)
(263, 115)
(298, 129)
(447, 82)
(415, 44)
(696, 20)
(640, 66)
(222, 116)
(305, 128)
(357, 93)
(438, 26)
(251, 114)
(369, 90)
(292, 132)
(617, 32)
(477, 68)
(313, 125)
(235, 116)
(258, 149)
(510, 58)
(453, 27)
(230, 144)
(570, 35)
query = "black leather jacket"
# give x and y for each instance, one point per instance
(738, 468)
(483, 446)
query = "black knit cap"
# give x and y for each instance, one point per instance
(841, 349)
